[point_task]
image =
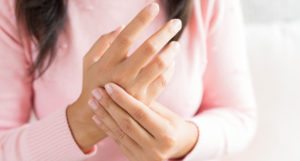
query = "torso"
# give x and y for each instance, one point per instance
(87, 20)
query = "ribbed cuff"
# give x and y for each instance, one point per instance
(208, 141)
(50, 139)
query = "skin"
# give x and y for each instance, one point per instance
(142, 77)
(144, 133)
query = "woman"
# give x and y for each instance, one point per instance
(121, 103)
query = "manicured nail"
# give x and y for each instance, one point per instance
(93, 105)
(96, 120)
(108, 89)
(97, 94)
(176, 25)
(153, 8)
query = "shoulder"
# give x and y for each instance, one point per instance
(9, 29)
(7, 8)
(7, 14)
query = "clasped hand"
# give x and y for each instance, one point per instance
(144, 133)
(144, 129)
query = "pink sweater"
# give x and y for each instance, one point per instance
(211, 85)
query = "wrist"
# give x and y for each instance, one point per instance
(85, 133)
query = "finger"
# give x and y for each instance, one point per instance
(121, 45)
(158, 65)
(128, 146)
(127, 124)
(130, 155)
(153, 45)
(133, 154)
(100, 46)
(148, 119)
(160, 83)
(163, 111)
(102, 116)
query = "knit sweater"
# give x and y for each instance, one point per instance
(211, 85)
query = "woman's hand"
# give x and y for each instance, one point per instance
(143, 132)
(133, 72)
(107, 61)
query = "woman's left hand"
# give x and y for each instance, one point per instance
(144, 133)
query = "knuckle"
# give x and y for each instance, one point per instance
(169, 141)
(142, 20)
(160, 62)
(102, 113)
(118, 78)
(131, 89)
(106, 42)
(137, 95)
(127, 124)
(121, 76)
(163, 81)
(104, 39)
(124, 40)
(121, 136)
(151, 48)
(139, 114)
(134, 90)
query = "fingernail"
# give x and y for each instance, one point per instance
(176, 25)
(108, 89)
(93, 105)
(96, 120)
(97, 94)
(153, 8)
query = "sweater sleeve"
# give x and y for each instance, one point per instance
(48, 139)
(227, 116)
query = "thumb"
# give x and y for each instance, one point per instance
(100, 46)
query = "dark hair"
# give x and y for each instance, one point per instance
(44, 20)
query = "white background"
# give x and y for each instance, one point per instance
(273, 39)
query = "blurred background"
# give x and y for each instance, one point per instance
(273, 40)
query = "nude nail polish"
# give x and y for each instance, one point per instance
(97, 94)
(96, 120)
(153, 8)
(108, 89)
(93, 105)
(176, 25)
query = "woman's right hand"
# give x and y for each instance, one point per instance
(139, 74)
